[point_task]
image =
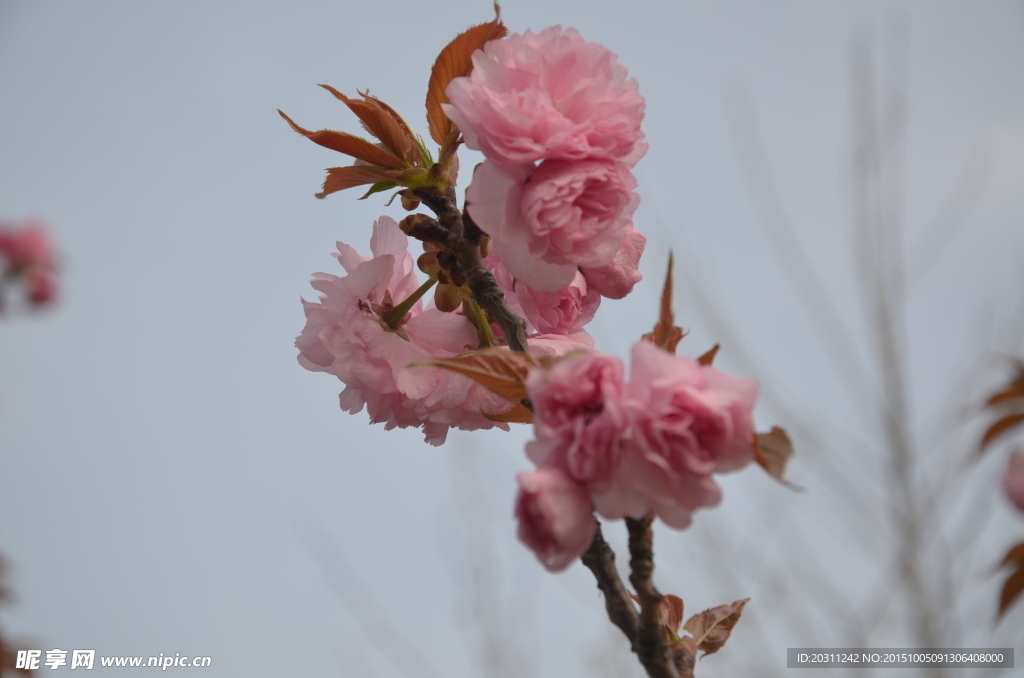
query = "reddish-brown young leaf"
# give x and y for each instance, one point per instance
(499, 370)
(340, 178)
(1011, 590)
(671, 613)
(379, 121)
(1014, 556)
(709, 357)
(519, 414)
(711, 628)
(454, 61)
(772, 451)
(1012, 391)
(349, 144)
(665, 333)
(1001, 426)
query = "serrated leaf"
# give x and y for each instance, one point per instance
(383, 123)
(665, 333)
(711, 628)
(349, 144)
(772, 452)
(999, 427)
(380, 186)
(454, 61)
(519, 414)
(709, 357)
(1011, 590)
(499, 370)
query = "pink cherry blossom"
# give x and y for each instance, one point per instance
(548, 95)
(562, 312)
(556, 519)
(1013, 480)
(616, 279)
(562, 215)
(345, 335)
(579, 417)
(687, 421)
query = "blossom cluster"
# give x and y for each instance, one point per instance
(626, 449)
(347, 334)
(558, 122)
(549, 214)
(26, 257)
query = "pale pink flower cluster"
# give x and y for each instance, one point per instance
(26, 256)
(345, 335)
(559, 123)
(626, 449)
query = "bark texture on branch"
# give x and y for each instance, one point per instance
(464, 243)
(651, 643)
(600, 559)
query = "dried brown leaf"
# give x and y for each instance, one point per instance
(349, 144)
(1011, 590)
(1000, 427)
(383, 123)
(709, 357)
(1015, 555)
(665, 333)
(1012, 391)
(454, 61)
(519, 414)
(497, 369)
(711, 628)
(772, 451)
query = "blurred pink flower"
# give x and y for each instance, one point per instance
(556, 519)
(649, 445)
(579, 418)
(1013, 480)
(687, 422)
(616, 279)
(27, 256)
(548, 95)
(345, 335)
(547, 222)
(562, 312)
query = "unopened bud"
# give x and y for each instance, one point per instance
(411, 223)
(409, 203)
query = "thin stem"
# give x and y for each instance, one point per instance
(394, 317)
(600, 559)
(483, 328)
(459, 241)
(651, 643)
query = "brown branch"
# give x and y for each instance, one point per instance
(460, 241)
(600, 559)
(652, 645)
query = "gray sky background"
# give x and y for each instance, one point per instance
(172, 481)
